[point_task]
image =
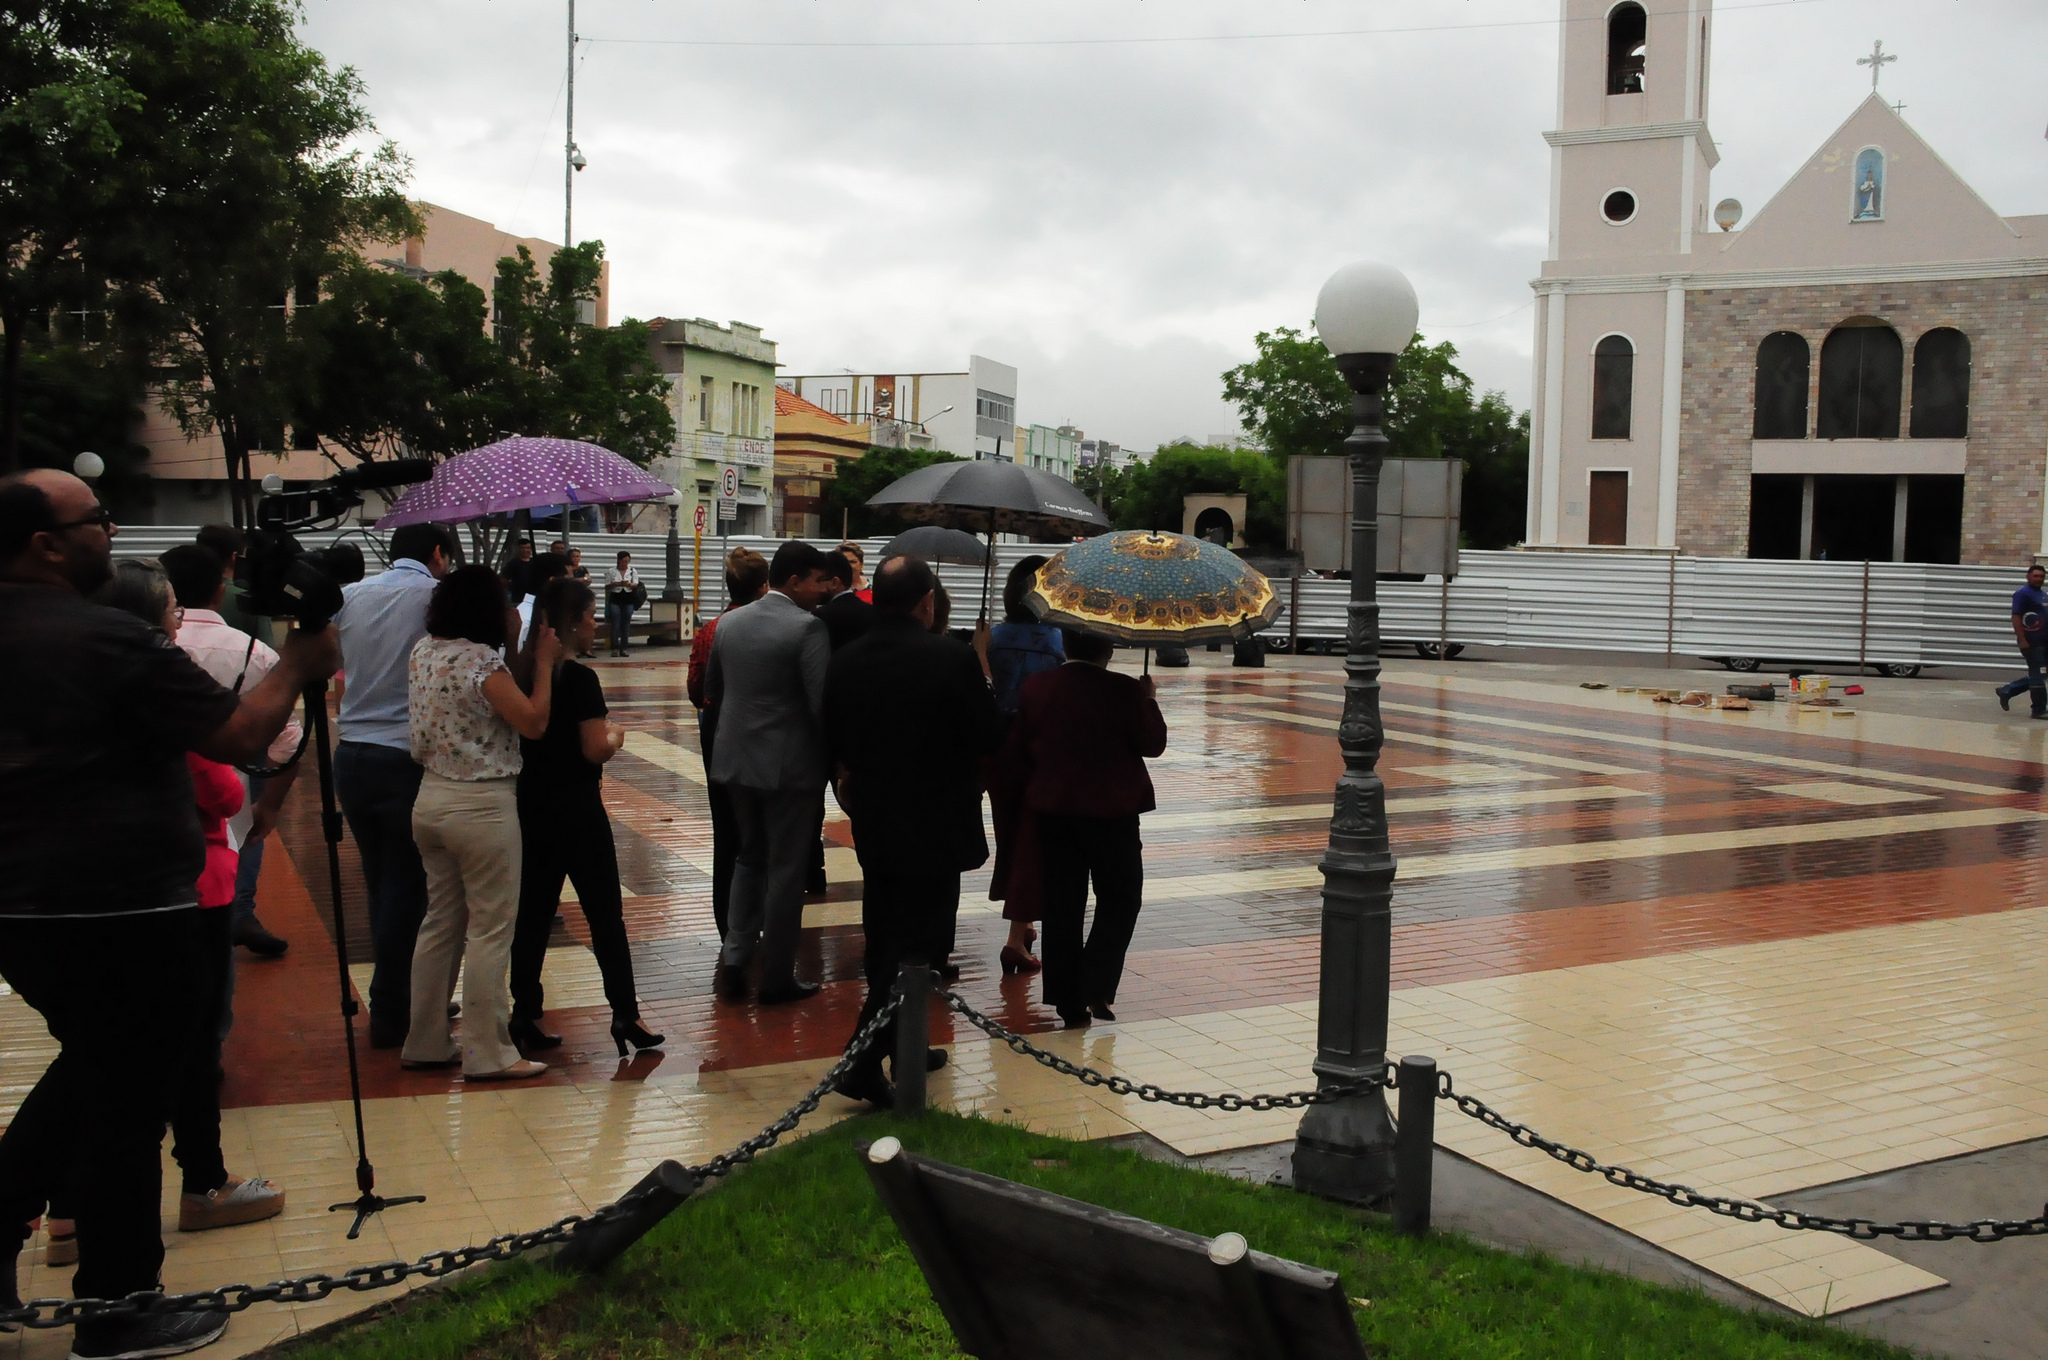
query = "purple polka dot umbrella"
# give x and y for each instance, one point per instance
(523, 473)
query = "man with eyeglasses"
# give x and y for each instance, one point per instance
(100, 851)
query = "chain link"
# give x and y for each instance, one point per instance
(1748, 1211)
(234, 1298)
(1229, 1102)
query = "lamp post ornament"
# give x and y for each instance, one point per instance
(1365, 315)
(1876, 62)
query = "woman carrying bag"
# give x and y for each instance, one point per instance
(564, 831)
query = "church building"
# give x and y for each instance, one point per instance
(1859, 372)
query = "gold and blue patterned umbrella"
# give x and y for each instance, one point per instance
(1153, 589)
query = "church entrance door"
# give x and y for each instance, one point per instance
(1607, 509)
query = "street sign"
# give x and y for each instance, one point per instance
(728, 485)
(697, 521)
(728, 510)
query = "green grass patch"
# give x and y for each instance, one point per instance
(795, 1257)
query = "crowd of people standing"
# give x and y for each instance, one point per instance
(141, 707)
(807, 680)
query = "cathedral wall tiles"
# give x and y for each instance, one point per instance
(2006, 320)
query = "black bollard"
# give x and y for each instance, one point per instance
(913, 1034)
(1415, 1145)
(590, 1250)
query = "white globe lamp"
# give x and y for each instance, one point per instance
(1366, 308)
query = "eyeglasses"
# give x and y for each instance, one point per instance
(100, 517)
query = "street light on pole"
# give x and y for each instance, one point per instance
(1365, 316)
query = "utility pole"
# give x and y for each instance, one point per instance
(572, 159)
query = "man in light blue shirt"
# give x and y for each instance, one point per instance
(374, 772)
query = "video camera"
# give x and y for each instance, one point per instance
(284, 580)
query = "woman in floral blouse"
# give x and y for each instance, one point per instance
(467, 716)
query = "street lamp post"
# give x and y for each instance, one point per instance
(673, 592)
(1365, 315)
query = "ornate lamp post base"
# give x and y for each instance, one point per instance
(1345, 1150)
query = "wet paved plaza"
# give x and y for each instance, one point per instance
(1755, 952)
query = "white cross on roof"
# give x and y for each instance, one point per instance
(1876, 62)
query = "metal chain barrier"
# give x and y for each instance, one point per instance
(1748, 1211)
(1229, 1102)
(234, 1298)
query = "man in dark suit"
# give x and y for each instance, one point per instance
(847, 616)
(1082, 736)
(908, 714)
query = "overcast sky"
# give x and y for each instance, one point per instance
(892, 184)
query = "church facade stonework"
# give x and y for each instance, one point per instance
(2006, 320)
(1858, 372)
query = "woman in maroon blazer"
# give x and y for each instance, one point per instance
(1081, 738)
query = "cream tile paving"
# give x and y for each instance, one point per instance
(1847, 794)
(1588, 1054)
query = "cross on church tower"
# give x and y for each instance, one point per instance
(1876, 62)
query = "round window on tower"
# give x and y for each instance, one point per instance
(1618, 207)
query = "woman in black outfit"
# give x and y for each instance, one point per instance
(564, 830)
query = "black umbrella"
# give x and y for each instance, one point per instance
(991, 497)
(936, 544)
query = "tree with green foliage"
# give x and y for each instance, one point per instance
(243, 184)
(1293, 401)
(61, 173)
(569, 378)
(846, 496)
(385, 366)
(1149, 495)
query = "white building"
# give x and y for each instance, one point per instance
(972, 414)
(1854, 374)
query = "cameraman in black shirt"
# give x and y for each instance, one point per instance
(100, 850)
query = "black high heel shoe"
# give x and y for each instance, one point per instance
(633, 1032)
(528, 1034)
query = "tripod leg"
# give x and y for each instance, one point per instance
(370, 1201)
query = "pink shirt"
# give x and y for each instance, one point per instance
(222, 652)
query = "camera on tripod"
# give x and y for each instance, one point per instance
(287, 581)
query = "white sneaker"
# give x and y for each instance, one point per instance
(239, 1201)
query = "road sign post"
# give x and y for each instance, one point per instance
(697, 566)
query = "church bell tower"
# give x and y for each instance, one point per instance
(1629, 161)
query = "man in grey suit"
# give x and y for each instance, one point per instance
(766, 678)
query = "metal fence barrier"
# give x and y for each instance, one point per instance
(1878, 613)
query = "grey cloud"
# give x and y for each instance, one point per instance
(1115, 220)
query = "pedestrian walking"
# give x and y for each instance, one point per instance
(623, 595)
(1082, 736)
(466, 714)
(908, 716)
(375, 776)
(564, 831)
(766, 678)
(1019, 648)
(2030, 631)
(746, 580)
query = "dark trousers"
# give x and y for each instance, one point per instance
(619, 617)
(725, 831)
(568, 834)
(2037, 668)
(1072, 850)
(195, 1109)
(111, 989)
(902, 916)
(377, 786)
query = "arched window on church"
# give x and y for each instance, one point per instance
(1628, 33)
(1862, 369)
(1783, 362)
(1867, 205)
(1614, 381)
(1941, 385)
